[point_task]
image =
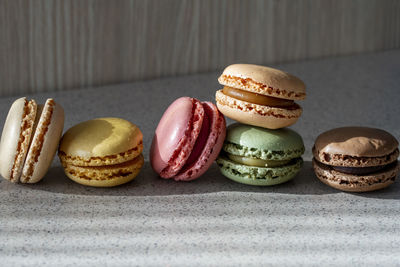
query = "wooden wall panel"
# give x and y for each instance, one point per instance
(50, 45)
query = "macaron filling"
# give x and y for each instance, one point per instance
(259, 176)
(105, 172)
(257, 162)
(264, 154)
(255, 98)
(356, 182)
(361, 170)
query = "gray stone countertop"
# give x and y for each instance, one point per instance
(213, 221)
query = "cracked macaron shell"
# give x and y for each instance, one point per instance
(261, 143)
(356, 147)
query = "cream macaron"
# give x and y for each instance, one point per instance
(260, 96)
(102, 152)
(29, 140)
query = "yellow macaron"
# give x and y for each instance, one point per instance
(103, 152)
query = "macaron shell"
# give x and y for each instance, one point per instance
(350, 161)
(257, 142)
(44, 142)
(212, 147)
(105, 176)
(356, 141)
(355, 183)
(18, 126)
(257, 115)
(175, 136)
(105, 160)
(102, 141)
(263, 80)
(259, 176)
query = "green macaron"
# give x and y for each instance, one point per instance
(258, 156)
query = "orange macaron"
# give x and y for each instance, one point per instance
(260, 96)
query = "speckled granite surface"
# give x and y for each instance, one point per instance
(213, 221)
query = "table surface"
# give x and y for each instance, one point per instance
(212, 220)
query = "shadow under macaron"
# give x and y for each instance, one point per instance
(147, 183)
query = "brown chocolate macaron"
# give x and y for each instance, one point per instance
(356, 159)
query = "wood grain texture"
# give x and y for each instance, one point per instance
(56, 45)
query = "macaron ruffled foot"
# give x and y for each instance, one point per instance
(258, 156)
(103, 152)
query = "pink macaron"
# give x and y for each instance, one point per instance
(187, 140)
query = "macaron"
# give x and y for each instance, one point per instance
(260, 96)
(356, 159)
(258, 156)
(187, 140)
(29, 140)
(102, 152)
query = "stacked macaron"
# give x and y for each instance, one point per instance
(260, 96)
(259, 150)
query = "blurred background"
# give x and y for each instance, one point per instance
(50, 45)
